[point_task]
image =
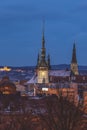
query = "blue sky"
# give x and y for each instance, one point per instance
(21, 30)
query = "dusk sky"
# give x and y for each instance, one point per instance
(21, 30)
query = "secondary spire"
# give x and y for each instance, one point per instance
(74, 59)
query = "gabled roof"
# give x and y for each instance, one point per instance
(32, 80)
(61, 73)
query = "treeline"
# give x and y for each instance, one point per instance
(48, 113)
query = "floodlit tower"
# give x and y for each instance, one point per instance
(42, 66)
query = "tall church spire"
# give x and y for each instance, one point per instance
(74, 59)
(74, 65)
(43, 50)
(38, 59)
(43, 63)
(48, 61)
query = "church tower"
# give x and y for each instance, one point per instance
(74, 65)
(43, 64)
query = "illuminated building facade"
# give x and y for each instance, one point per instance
(5, 68)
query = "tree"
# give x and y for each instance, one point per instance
(62, 114)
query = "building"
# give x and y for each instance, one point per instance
(69, 90)
(43, 65)
(7, 87)
(46, 75)
(5, 68)
(85, 101)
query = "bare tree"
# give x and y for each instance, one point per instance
(49, 113)
(62, 114)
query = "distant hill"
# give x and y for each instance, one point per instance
(60, 66)
(82, 67)
(56, 67)
(66, 66)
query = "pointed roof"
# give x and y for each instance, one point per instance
(43, 39)
(74, 59)
(32, 80)
(49, 61)
(43, 62)
(38, 60)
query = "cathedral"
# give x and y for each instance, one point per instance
(43, 67)
(45, 75)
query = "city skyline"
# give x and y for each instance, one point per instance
(21, 31)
